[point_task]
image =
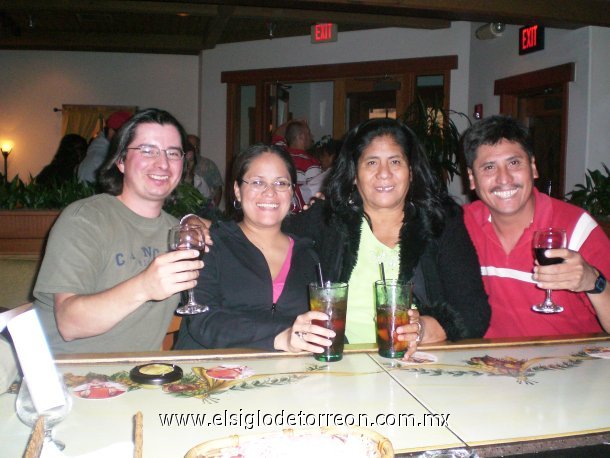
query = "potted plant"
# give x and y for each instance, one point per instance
(439, 136)
(27, 211)
(594, 196)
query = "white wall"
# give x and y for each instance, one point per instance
(32, 83)
(588, 142)
(371, 45)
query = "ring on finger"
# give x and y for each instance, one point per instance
(419, 331)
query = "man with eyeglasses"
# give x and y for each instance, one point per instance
(107, 282)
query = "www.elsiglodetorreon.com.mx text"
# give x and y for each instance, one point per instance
(251, 420)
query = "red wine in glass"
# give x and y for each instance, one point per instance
(188, 237)
(544, 240)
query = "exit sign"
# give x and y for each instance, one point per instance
(323, 33)
(531, 38)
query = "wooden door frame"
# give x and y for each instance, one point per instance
(404, 69)
(511, 88)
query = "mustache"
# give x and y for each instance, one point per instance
(504, 188)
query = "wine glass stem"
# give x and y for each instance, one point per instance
(191, 295)
(548, 301)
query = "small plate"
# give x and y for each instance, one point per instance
(99, 390)
(229, 372)
(598, 352)
(155, 374)
(419, 357)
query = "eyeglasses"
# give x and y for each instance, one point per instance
(262, 186)
(153, 152)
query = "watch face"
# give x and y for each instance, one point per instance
(600, 283)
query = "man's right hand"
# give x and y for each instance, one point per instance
(171, 273)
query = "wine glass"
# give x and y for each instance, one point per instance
(27, 413)
(188, 237)
(544, 240)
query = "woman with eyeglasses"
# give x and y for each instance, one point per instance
(255, 278)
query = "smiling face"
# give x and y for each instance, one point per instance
(148, 181)
(383, 176)
(268, 208)
(503, 177)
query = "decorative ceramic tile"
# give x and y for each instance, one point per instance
(477, 395)
(513, 393)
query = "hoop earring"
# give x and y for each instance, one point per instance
(350, 199)
(236, 204)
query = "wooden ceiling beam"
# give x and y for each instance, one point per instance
(373, 20)
(114, 42)
(217, 26)
(551, 12)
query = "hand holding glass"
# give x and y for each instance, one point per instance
(544, 240)
(188, 237)
(28, 414)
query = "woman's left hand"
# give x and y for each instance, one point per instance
(412, 332)
(305, 336)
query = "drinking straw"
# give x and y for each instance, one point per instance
(385, 286)
(320, 277)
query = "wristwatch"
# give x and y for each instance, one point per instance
(600, 285)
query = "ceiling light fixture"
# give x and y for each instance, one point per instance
(490, 30)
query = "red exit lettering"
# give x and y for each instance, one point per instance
(324, 31)
(528, 37)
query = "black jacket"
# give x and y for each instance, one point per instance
(236, 284)
(445, 270)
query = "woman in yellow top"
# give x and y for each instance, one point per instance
(383, 204)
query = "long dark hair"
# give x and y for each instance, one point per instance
(110, 177)
(242, 165)
(425, 198)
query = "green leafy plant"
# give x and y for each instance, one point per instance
(594, 195)
(17, 195)
(184, 200)
(439, 135)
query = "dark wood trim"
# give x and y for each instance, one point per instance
(512, 88)
(348, 70)
(540, 78)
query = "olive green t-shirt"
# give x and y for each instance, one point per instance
(360, 321)
(95, 244)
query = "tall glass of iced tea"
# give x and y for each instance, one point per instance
(392, 303)
(332, 300)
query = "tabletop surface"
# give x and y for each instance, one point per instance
(467, 396)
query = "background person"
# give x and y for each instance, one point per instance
(384, 205)
(107, 283)
(502, 169)
(208, 171)
(70, 152)
(298, 139)
(255, 277)
(98, 148)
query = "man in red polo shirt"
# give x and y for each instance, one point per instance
(297, 139)
(502, 169)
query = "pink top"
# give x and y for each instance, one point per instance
(280, 280)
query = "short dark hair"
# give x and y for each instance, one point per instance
(109, 176)
(491, 131)
(242, 162)
(293, 130)
(425, 198)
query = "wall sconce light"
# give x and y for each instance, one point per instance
(6, 150)
(490, 30)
